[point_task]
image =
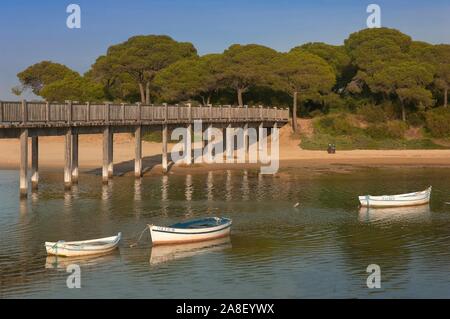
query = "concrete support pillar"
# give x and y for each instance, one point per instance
(165, 165)
(188, 145)
(245, 144)
(68, 159)
(75, 172)
(138, 152)
(260, 136)
(106, 153)
(34, 162)
(208, 136)
(110, 154)
(23, 175)
(229, 142)
(224, 140)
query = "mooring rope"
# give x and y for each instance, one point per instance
(140, 236)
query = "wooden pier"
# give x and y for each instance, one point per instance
(29, 120)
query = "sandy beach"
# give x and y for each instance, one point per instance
(51, 156)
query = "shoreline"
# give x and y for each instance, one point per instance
(51, 158)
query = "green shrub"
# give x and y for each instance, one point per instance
(392, 130)
(315, 113)
(417, 119)
(336, 125)
(155, 137)
(390, 109)
(372, 113)
(320, 142)
(438, 122)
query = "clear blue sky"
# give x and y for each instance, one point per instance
(32, 31)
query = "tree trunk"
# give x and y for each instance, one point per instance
(141, 90)
(403, 112)
(203, 99)
(445, 97)
(294, 113)
(147, 93)
(208, 100)
(239, 96)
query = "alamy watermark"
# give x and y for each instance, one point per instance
(74, 279)
(239, 145)
(73, 21)
(374, 279)
(374, 19)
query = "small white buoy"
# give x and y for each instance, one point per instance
(296, 205)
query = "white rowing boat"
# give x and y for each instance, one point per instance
(410, 199)
(84, 247)
(191, 231)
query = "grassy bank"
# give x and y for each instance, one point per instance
(320, 142)
(350, 132)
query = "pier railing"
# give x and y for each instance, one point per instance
(26, 113)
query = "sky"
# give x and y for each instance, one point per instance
(32, 31)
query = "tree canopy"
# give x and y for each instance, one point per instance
(141, 57)
(197, 77)
(243, 66)
(407, 81)
(300, 72)
(374, 66)
(37, 76)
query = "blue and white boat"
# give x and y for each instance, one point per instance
(410, 199)
(193, 230)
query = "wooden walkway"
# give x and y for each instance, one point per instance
(29, 120)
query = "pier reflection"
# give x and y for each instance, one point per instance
(245, 187)
(188, 190)
(210, 186)
(107, 196)
(164, 194)
(228, 187)
(166, 253)
(138, 189)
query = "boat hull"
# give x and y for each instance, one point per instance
(402, 200)
(83, 248)
(167, 235)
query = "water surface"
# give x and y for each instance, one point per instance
(319, 249)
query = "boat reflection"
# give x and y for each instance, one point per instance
(61, 263)
(395, 214)
(165, 253)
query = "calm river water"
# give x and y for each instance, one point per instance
(319, 249)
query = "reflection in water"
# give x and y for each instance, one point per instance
(245, 188)
(75, 192)
(165, 253)
(210, 186)
(23, 206)
(209, 192)
(228, 187)
(138, 189)
(321, 249)
(188, 189)
(260, 188)
(164, 194)
(107, 196)
(34, 197)
(395, 214)
(61, 263)
(68, 202)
